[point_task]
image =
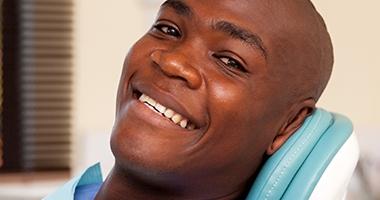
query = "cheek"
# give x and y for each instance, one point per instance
(240, 120)
(231, 118)
(139, 53)
(136, 58)
(237, 144)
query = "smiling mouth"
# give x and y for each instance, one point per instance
(167, 112)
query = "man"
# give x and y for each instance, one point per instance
(209, 92)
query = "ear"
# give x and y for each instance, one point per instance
(298, 115)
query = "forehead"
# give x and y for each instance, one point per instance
(240, 11)
(264, 19)
(236, 11)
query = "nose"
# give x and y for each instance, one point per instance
(177, 65)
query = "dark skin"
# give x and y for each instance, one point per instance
(224, 67)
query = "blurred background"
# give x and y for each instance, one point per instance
(61, 65)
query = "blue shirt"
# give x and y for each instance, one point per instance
(85, 186)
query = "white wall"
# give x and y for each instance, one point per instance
(354, 89)
(104, 31)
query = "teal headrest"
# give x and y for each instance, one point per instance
(295, 169)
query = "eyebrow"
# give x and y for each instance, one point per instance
(242, 34)
(179, 7)
(226, 27)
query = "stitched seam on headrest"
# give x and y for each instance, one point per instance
(291, 158)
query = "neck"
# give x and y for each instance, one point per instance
(120, 185)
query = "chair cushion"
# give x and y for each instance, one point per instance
(294, 170)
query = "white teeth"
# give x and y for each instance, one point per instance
(151, 101)
(167, 112)
(160, 108)
(176, 118)
(152, 108)
(183, 123)
(144, 98)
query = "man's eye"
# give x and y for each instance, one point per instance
(169, 30)
(232, 63)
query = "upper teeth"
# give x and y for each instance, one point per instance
(167, 112)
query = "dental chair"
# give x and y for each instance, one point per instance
(316, 162)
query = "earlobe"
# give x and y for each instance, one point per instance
(292, 125)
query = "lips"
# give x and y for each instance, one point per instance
(167, 112)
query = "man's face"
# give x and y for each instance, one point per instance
(208, 63)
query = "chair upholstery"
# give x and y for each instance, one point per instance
(316, 162)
